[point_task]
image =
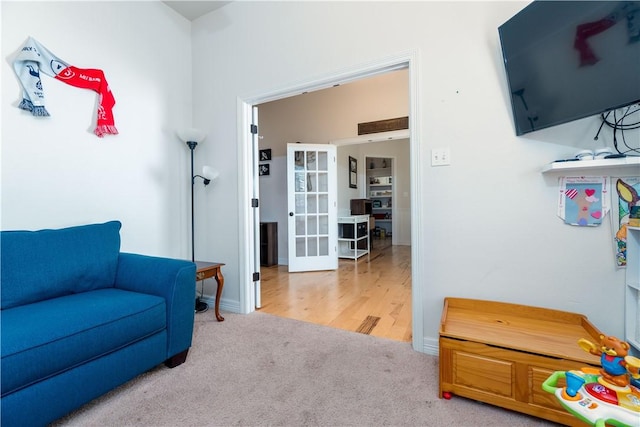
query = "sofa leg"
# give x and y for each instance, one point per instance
(177, 359)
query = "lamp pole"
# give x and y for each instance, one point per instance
(191, 137)
(192, 146)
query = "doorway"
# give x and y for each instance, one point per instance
(248, 189)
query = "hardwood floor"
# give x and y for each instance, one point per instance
(371, 295)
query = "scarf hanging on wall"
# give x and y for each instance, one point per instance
(35, 58)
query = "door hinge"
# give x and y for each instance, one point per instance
(254, 203)
(254, 129)
(256, 277)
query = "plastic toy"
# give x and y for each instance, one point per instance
(606, 396)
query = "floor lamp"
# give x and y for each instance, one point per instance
(192, 137)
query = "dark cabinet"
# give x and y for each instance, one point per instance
(268, 243)
(360, 207)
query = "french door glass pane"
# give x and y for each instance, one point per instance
(299, 160)
(323, 224)
(312, 246)
(311, 161)
(300, 203)
(312, 225)
(300, 229)
(312, 205)
(323, 246)
(323, 203)
(300, 183)
(300, 247)
(312, 181)
(323, 182)
(323, 164)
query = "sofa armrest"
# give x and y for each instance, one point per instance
(173, 279)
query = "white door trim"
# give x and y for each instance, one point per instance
(408, 59)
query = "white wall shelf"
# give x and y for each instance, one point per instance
(379, 171)
(626, 166)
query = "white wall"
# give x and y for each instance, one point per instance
(55, 172)
(489, 226)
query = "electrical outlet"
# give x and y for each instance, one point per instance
(441, 156)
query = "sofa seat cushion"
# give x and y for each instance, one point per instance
(49, 337)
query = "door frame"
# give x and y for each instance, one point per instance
(410, 60)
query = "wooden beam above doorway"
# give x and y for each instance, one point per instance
(383, 125)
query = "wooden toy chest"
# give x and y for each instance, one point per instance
(501, 353)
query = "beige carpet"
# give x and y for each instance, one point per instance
(259, 369)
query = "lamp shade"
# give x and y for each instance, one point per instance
(210, 173)
(191, 135)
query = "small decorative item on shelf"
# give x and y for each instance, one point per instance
(377, 203)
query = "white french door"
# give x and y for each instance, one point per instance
(312, 207)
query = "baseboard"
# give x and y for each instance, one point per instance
(431, 347)
(225, 304)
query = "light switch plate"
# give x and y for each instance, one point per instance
(441, 156)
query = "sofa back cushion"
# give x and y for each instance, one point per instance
(44, 264)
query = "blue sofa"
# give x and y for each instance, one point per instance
(79, 318)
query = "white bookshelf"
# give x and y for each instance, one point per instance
(353, 236)
(380, 192)
(632, 289)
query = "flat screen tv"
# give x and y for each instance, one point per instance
(566, 60)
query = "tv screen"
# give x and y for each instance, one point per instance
(566, 60)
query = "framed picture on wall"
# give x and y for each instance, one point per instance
(265, 154)
(353, 172)
(263, 170)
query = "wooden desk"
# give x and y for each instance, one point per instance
(208, 270)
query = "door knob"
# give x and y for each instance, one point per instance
(290, 213)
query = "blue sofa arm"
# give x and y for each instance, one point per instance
(173, 279)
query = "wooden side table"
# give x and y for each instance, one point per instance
(208, 270)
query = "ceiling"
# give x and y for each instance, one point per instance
(195, 9)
